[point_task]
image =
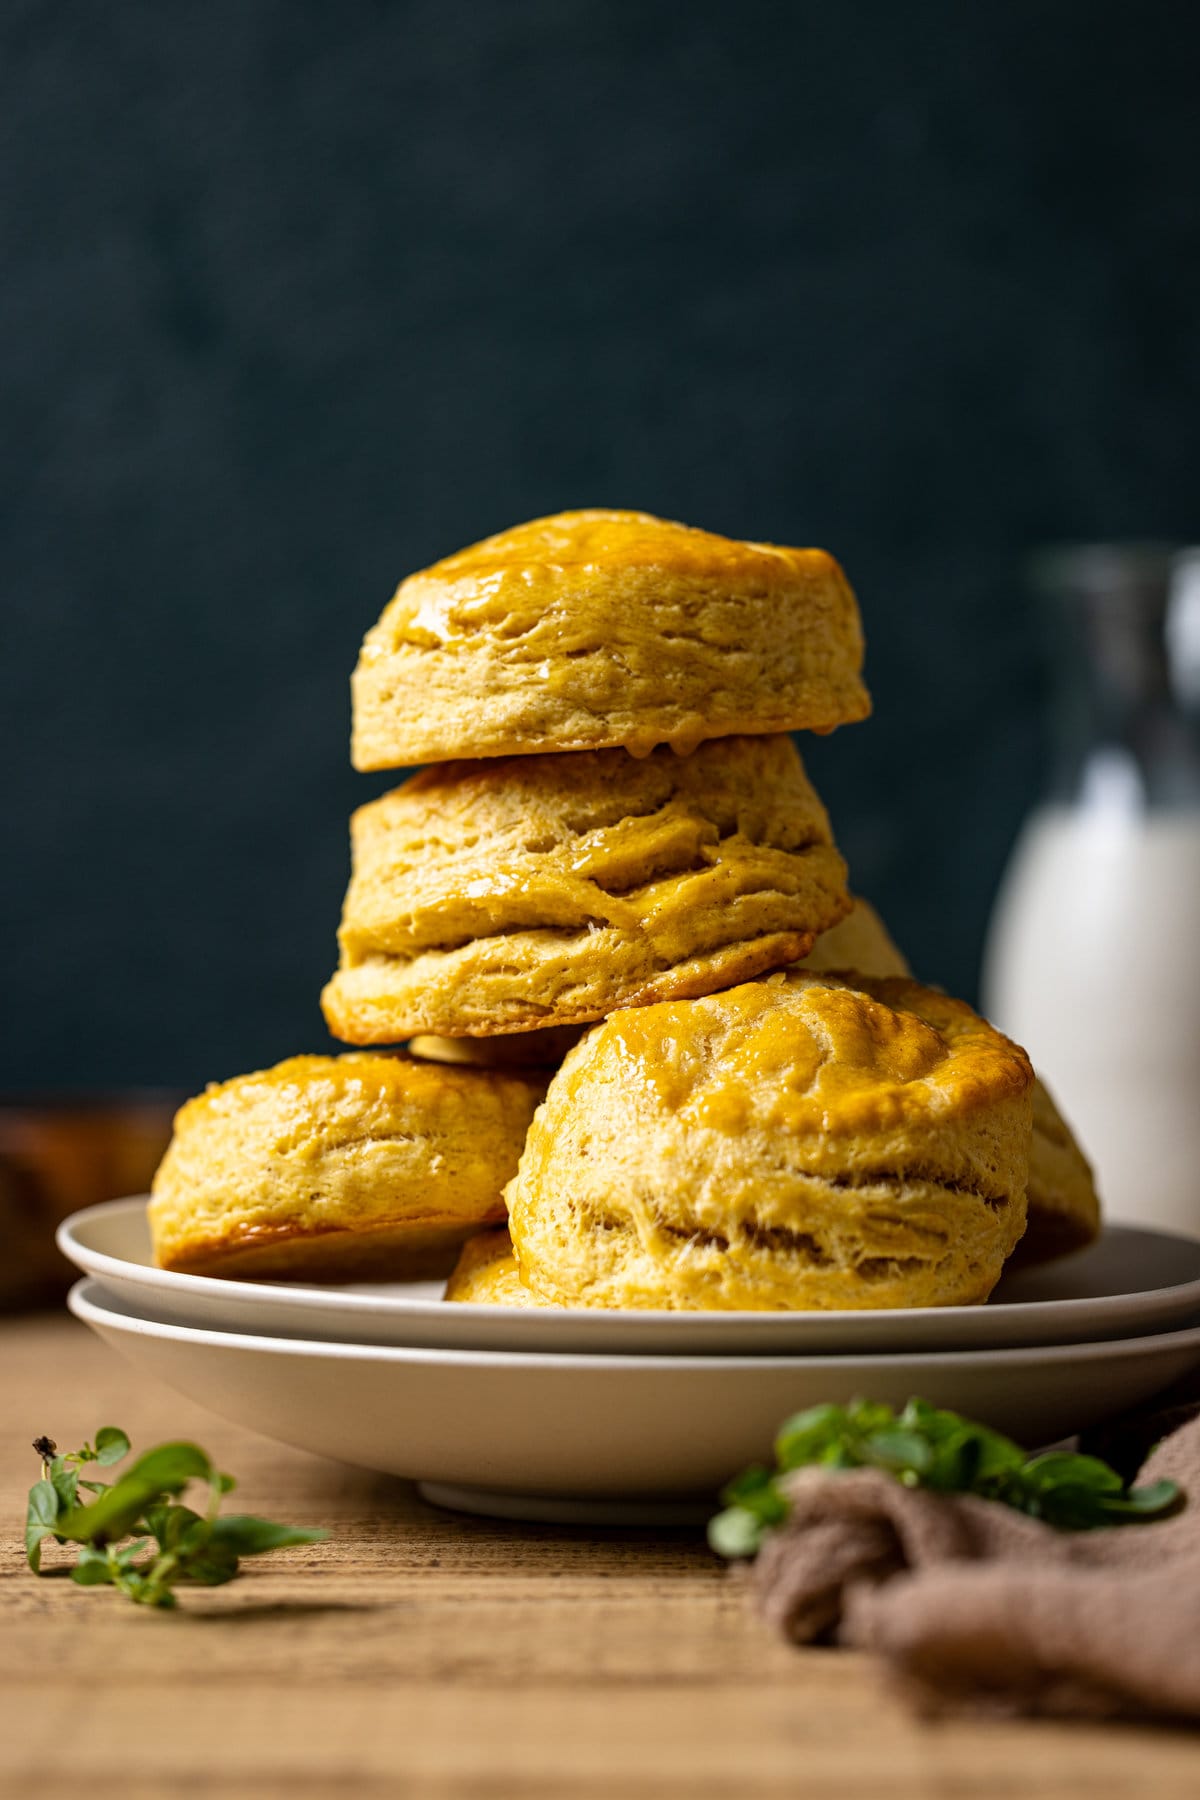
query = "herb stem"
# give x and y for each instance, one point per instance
(159, 1573)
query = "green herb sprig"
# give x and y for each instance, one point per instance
(168, 1542)
(926, 1447)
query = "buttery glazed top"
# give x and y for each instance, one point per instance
(810, 1056)
(593, 629)
(316, 1104)
(525, 569)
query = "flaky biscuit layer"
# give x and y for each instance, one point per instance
(486, 1273)
(510, 896)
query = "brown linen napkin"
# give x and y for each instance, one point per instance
(976, 1606)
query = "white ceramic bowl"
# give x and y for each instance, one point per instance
(595, 1428)
(1132, 1281)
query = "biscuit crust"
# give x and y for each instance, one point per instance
(336, 1167)
(859, 941)
(598, 629)
(511, 896)
(798, 1142)
(486, 1273)
(1063, 1205)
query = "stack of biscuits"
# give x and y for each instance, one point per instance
(657, 1056)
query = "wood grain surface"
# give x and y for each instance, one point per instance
(418, 1653)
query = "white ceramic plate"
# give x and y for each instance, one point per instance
(499, 1424)
(1132, 1281)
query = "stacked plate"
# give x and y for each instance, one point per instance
(610, 1416)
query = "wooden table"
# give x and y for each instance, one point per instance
(420, 1653)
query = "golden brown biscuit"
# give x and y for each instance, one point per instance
(859, 941)
(486, 1273)
(596, 629)
(798, 1142)
(545, 891)
(334, 1167)
(1063, 1206)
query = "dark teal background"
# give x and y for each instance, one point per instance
(297, 297)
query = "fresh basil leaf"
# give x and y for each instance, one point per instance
(110, 1516)
(212, 1565)
(117, 1510)
(1066, 1508)
(225, 1484)
(245, 1535)
(954, 1462)
(865, 1416)
(194, 1541)
(92, 1569)
(1153, 1501)
(1059, 1468)
(749, 1483)
(903, 1452)
(735, 1533)
(805, 1435)
(760, 1498)
(157, 1520)
(41, 1521)
(918, 1415)
(44, 1505)
(994, 1455)
(65, 1483)
(171, 1524)
(974, 1446)
(171, 1466)
(111, 1445)
(942, 1428)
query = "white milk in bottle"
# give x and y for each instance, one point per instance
(1093, 954)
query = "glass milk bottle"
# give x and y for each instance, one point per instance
(1093, 952)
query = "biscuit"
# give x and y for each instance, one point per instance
(486, 1273)
(799, 1142)
(508, 896)
(331, 1168)
(859, 941)
(1063, 1206)
(601, 629)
